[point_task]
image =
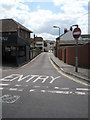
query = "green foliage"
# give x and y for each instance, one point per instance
(45, 43)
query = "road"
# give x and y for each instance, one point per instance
(38, 90)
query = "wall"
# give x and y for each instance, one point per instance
(69, 56)
(34, 53)
(83, 55)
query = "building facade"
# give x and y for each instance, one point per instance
(66, 51)
(50, 46)
(15, 42)
(39, 43)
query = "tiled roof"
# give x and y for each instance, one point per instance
(72, 42)
(12, 25)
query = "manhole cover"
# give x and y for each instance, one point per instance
(9, 98)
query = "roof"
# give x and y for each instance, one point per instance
(73, 42)
(38, 39)
(67, 39)
(12, 25)
(66, 36)
(85, 36)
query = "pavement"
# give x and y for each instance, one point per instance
(82, 73)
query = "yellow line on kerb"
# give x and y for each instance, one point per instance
(71, 78)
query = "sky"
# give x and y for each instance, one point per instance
(41, 15)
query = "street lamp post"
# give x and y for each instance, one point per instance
(59, 33)
(59, 38)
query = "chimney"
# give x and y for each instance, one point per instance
(65, 30)
(34, 37)
(71, 28)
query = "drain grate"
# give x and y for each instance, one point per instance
(9, 98)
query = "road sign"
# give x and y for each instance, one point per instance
(76, 33)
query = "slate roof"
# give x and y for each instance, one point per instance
(9, 25)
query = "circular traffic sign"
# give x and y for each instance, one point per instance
(76, 33)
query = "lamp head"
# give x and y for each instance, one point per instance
(75, 25)
(55, 26)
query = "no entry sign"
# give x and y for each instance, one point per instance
(76, 33)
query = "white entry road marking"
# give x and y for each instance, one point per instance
(4, 84)
(61, 92)
(43, 78)
(32, 90)
(22, 78)
(61, 88)
(53, 79)
(18, 85)
(16, 89)
(32, 76)
(10, 77)
(65, 92)
(20, 90)
(13, 89)
(28, 78)
(43, 91)
(37, 86)
(56, 87)
(83, 89)
(81, 93)
(1, 88)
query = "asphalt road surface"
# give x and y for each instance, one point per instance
(38, 90)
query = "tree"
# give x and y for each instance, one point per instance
(45, 43)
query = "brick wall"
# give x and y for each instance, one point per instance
(69, 53)
(83, 55)
(62, 54)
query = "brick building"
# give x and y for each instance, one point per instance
(37, 42)
(15, 42)
(67, 49)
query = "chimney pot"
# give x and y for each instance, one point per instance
(65, 30)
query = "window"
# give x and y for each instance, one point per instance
(26, 35)
(7, 49)
(21, 51)
(13, 51)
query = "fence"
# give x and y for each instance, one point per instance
(34, 53)
(68, 53)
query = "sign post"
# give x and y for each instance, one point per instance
(76, 35)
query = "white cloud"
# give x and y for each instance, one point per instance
(75, 11)
(47, 36)
(38, 7)
(41, 21)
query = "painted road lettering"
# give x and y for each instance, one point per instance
(54, 78)
(28, 78)
(32, 76)
(44, 78)
(22, 78)
(10, 77)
